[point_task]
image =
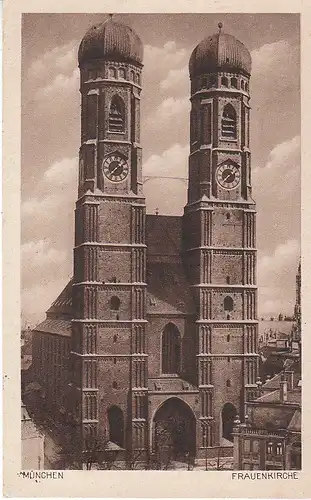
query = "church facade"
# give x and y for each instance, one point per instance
(160, 317)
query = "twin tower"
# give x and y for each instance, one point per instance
(164, 327)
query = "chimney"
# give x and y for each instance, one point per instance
(283, 389)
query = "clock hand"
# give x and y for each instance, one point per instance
(116, 168)
(227, 177)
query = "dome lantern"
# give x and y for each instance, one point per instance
(220, 52)
(111, 40)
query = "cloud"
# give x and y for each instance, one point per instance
(282, 154)
(169, 109)
(64, 171)
(274, 56)
(176, 77)
(167, 195)
(168, 55)
(172, 163)
(276, 278)
(39, 254)
(39, 296)
(62, 85)
(61, 59)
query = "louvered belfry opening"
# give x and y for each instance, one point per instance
(116, 115)
(228, 122)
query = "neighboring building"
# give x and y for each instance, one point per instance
(161, 315)
(271, 437)
(275, 333)
(32, 443)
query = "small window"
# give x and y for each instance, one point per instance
(228, 359)
(115, 338)
(112, 72)
(246, 87)
(114, 385)
(114, 361)
(270, 448)
(228, 215)
(213, 81)
(228, 338)
(115, 303)
(228, 383)
(234, 83)
(279, 449)
(228, 303)
(228, 316)
(132, 75)
(228, 280)
(122, 73)
(242, 84)
(224, 81)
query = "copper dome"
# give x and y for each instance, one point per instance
(220, 52)
(111, 41)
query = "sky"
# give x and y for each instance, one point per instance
(50, 125)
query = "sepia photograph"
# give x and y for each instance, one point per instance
(160, 242)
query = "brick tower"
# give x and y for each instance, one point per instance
(219, 234)
(108, 330)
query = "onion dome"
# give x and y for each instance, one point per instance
(111, 41)
(220, 52)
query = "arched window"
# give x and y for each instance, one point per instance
(228, 122)
(228, 303)
(122, 73)
(224, 81)
(242, 84)
(112, 72)
(228, 383)
(171, 349)
(234, 83)
(116, 115)
(115, 303)
(132, 76)
(228, 338)
(228, 280)
(115, 338)
(228, 215)
(246, 87)
(213, 81)
(116, 425)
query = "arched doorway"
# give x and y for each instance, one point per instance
(116, 425)
(174, 430)
(228, 415)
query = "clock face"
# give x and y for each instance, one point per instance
(228, 176)
(115, 168)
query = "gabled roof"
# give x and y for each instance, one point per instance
(168, 288)
(163, 236)
(62, 306)
(295, 423)
(55, 326)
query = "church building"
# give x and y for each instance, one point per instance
(158, 327)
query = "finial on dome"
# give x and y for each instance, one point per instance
(220, 25)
